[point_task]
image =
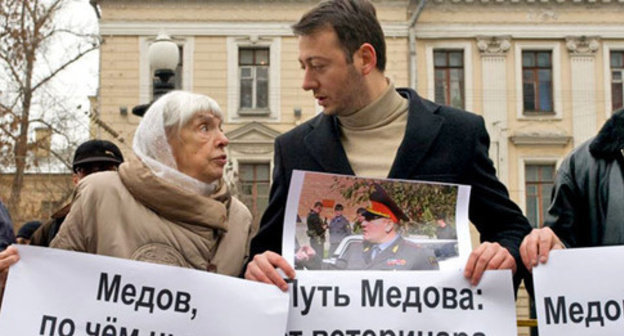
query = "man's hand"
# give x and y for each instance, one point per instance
(263, 269)
(538, 244)
(488, 256)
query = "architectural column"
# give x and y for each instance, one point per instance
(493, 50)
(583, 75)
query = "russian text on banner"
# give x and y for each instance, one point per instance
(415, 303)
(580, 292)
(55, 292)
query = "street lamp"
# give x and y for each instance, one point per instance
(163, 56)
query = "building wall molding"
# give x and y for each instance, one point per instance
(546, 139)
(126, 28)
(519, 31)
(582, 45)
(494, 45)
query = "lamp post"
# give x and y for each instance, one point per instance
(163, 56)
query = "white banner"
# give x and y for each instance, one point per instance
(378, 303)
(580, 292)
(56, 292)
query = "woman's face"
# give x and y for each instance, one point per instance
(199, 147)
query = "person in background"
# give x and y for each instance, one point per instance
(587, 206)
(91, 156)
(443, 229)
(357, 223)
(316, 229)
(7, 237)
(369, 128)
(339, 228)
(25, 233)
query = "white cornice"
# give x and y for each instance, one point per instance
(556, 2)
(527, 31)
(398, 29)
(540, 139)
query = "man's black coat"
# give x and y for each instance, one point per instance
(441, 144)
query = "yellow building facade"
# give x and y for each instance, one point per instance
(545, 74)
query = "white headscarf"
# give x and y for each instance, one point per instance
(150, 144)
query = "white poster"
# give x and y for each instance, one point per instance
(376, 303)
(384, 257)
(56, 292)
(581, 292)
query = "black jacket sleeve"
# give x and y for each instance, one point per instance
(497, 218)
(269, 237)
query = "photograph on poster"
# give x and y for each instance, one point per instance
(352, 223)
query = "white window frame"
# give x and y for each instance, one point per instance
(468, 79)
(233, 90)
(145, 77)
(555, 48)
(608, 47)
(236, 162)
(254, 77)
(533, 160)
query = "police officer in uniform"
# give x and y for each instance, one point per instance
(383, 247)
(316, 229)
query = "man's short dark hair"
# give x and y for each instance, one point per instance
(318, 204)
(354, 21)
(338, 207)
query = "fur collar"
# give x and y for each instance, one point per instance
(609, 143)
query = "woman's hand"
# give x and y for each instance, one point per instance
(8, 257)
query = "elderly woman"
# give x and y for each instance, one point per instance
(169, 203)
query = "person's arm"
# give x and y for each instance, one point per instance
(266, 247)
(500, 222)
(8, 257)
(76, 229)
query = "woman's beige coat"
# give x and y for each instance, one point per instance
(135, 215)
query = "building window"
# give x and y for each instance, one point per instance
(617, 82)
(539, 180)
(537, 82)
(449, 77)
(254, 183)
(253, 65)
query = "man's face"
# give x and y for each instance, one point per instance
(22, 241)
(90, 168)
(338, 86)
(377, 231)
(318, 209)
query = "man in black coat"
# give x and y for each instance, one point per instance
(587, 208)
(369, 129)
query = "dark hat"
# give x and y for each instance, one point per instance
(381, 205)
(27, 230)
(97, 151)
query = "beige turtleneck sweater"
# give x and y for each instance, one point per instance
(372, 135)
